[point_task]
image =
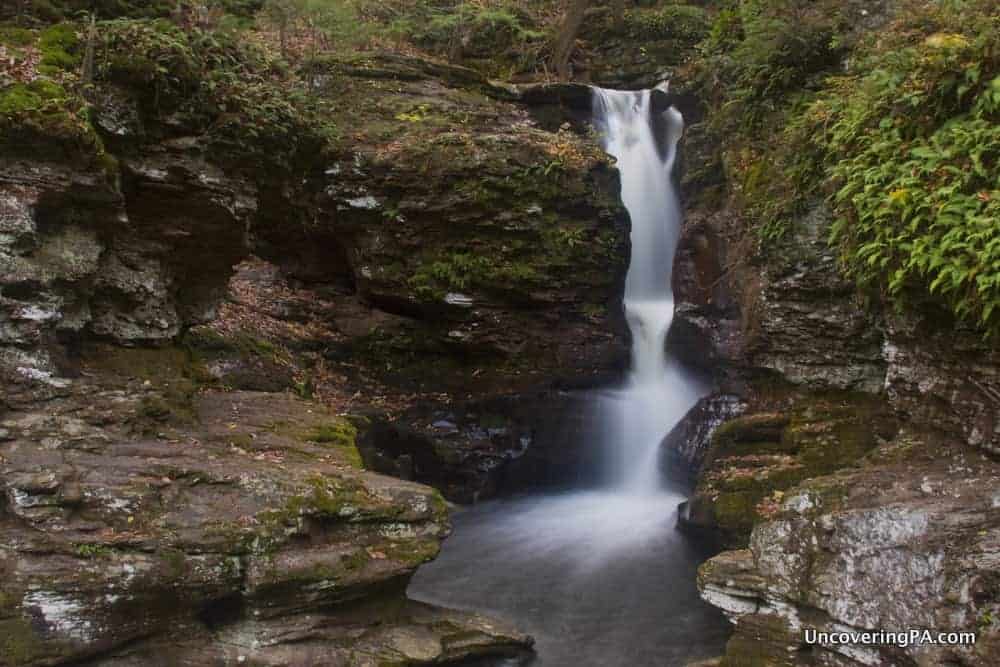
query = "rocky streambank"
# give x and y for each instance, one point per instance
(847, 459)
(191, 341)
(244, 323)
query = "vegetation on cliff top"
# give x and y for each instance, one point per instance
(912, 142)
(215, 81)
(892, 119)
(890, 116)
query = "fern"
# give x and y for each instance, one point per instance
(913, 143)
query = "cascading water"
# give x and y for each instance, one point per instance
(599, 576)
(658, 392)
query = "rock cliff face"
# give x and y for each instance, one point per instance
(182, 331)
(141, 527)
(907, 541)
(848, 456)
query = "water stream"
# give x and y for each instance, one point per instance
(599, 576)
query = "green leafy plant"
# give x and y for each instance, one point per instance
(464, 270)
(913, 147)
(679, 22)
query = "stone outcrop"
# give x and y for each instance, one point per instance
(645, 48)
(910, 542)
(182, 329)
(503, 244)
(477, 449)
(458, 247)
(856, 484)
(147, 522)
(754, 458)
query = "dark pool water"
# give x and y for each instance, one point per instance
(598, 578)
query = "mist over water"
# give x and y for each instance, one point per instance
(600, 576)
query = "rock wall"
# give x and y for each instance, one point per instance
(190, 341)
(146, 522)
(848, 457)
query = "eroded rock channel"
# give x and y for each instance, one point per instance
(274, 324)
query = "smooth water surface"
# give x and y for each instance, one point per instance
(599, 579)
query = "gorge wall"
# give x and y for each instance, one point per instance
(237, 339)
(847, 459)
(199, 313)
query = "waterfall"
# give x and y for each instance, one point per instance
(658, 391)
(601, 572)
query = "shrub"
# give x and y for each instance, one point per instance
(912, 142)
(687, 23)
(224, 86)
(904, 140)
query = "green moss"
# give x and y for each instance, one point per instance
(328, 498)
(755, 455)
(735, 512)
(342, 435)
(60, 47)
(439, 505)
(835, 431)
(38, 96)
(257, 346)
(43, 119)
(413, 552)
(42, 113)
(750, 434)
(92, 551)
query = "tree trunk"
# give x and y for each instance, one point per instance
(313, 50)
(88, 56)
(566, 39)
(618, 13)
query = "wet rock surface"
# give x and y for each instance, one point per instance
(477, 450)
(856, 483)
(150, 526)
(908, 542)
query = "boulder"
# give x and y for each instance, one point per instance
(146, 525)
(908, 543)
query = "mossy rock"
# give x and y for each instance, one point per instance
(20, 644)
(754, 456)
(761, 640)
(749, 434)
(45, 121)
(341, 435)
(170, 377)
(241, 360)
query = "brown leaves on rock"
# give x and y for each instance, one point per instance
(20, 66)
